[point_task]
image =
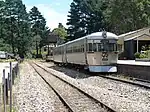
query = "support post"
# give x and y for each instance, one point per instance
(10, 87)
(6, 84)
(4, 91)
(137, 45)
(8, 81)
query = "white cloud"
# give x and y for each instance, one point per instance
(57, 4)
(52, 17)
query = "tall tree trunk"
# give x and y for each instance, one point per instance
(48, 50)
(40, 50)
(12, 43)
(37, 50)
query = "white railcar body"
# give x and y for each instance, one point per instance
(97, 52)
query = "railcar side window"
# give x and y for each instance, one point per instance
(90, 47)
(94, 47)
(100, 47)
(82, 48)
(111, 47)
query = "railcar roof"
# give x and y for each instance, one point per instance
(96, 35)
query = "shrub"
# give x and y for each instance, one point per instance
(137, 55)
(143, 55)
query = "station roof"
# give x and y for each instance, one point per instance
(139, 37)
(53, 38)
(141, 33)
(135, 32)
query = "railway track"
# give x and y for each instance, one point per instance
(136, 82)
(76, 100)
(128, 80)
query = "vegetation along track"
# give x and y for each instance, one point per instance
(136, 82)
(76, 99)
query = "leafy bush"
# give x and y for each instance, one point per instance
(148, 53)
(143, 55)
(137, 55)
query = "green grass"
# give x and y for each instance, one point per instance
(8, 109)
(7, 60)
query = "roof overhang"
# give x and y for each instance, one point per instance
(135, 34)
(139, 37)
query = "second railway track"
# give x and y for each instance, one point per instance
(136, 82)
(74, 98)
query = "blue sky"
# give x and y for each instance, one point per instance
(54, 11)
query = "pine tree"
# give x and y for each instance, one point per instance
(93, 9)
(75, 29)
(3, 44)
(38, 23)
(18, 26)
(2, 11)
(126, 15)
(85, 17)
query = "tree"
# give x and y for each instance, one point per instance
(18, 27)
(38, 23)
(75, 29)
(85, 17)
(2, 11)
(60, 31)
(60, 25)
(94, 17)
(88, 16)
(45, 35)
(126, 15)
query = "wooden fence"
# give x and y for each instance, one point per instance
(7, 83)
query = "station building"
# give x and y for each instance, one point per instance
(132, 42)
(52, 41)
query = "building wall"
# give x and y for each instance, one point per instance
(129, 49)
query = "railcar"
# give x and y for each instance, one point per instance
(97, 52)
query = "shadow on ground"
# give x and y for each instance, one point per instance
(72, 72)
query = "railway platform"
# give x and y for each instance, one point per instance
(137, 69)
(133, 62)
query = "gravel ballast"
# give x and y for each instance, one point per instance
(32, 94)
(120, 96)
(78, 101)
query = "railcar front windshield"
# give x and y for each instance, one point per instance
(108, 46)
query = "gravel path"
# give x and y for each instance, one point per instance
(122, 97)
(34, 95)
